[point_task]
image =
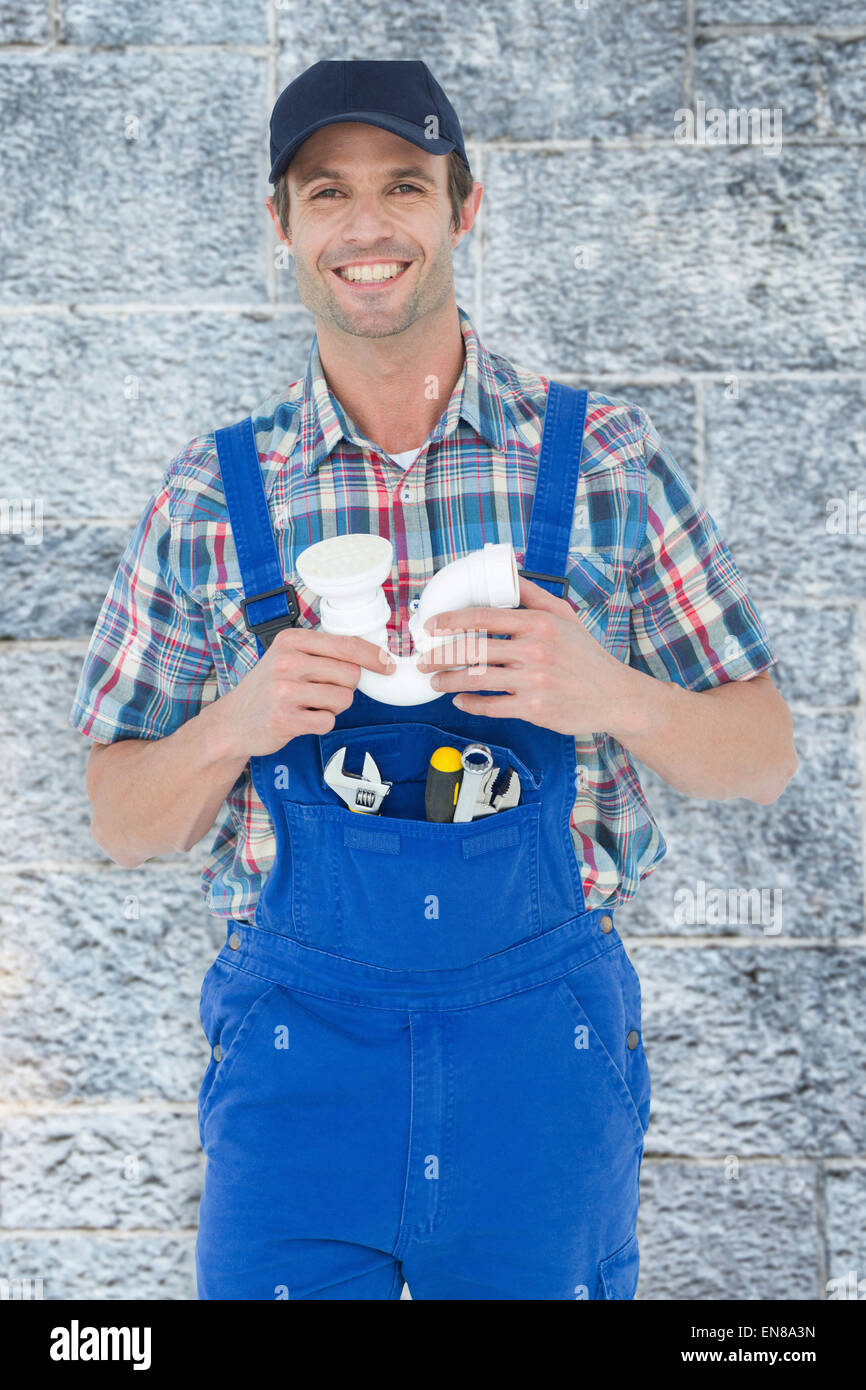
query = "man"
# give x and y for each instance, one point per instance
(426, 1054)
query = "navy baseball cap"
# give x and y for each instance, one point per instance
(396, 94)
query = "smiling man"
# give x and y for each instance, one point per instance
(380, 285)
(426, 1053)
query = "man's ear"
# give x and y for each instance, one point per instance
(469, 214)
(269, 204)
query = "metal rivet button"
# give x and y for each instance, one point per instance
(234, 941)
(632, 1041)
(606, 923)
(217, 1053)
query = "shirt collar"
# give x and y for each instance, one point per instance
(475, 399)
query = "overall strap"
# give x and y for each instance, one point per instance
(275, 603)
(555, 488)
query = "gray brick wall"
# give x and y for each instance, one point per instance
(722, 287)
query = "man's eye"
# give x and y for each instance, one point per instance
(322, 191)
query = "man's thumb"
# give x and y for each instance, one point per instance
(533, 596)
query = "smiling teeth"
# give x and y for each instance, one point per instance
(371, 272)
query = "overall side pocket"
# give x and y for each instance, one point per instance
(231, 1000)
(619, 1272)
(606, 1032)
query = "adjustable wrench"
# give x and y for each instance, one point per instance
(364, 793)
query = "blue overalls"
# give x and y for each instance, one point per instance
(426, 1053)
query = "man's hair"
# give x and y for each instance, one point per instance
(459, 187)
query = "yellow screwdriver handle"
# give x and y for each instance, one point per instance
(443, 784)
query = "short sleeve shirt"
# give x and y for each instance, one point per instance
(649, 575)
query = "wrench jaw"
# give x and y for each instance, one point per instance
(364, 793)
(504, 799)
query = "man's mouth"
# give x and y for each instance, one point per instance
(374, 275)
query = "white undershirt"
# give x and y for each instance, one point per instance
(408, 456)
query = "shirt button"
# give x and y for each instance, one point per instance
(606, 923)
(234, 941)
(632, 1040)
(217, 1053)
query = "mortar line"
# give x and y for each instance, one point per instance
(823, 1246)
(854, 942)
(807, 31)
(700, 439)
(109, 1232)
(562, 144)
(478, 245)
(860, 608)
(76, 310)
(93, 1107)
(689, 57)
(851, 1162)
(841, 33)
(129, 50)
(272, 240)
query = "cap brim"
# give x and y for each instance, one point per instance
(407, 129)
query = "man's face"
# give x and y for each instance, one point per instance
(360, 194)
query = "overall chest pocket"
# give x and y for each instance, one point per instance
(402, 892)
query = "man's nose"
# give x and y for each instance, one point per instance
(368, 217)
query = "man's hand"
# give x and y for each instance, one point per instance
(733, 740)
(305, 678)
(553, 672)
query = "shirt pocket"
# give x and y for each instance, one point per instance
(591, 587)
(234, 646)
(235, 649)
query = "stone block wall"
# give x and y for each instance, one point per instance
(719, 285)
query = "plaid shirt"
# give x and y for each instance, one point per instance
(649, 573)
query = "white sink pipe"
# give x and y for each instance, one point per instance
(347, 573)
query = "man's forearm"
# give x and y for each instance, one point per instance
(735, 740)
(160, 796)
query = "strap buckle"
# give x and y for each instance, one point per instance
(553, 578)
(269, 627)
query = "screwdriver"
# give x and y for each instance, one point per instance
(443, 784)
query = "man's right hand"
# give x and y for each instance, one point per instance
(299, 686)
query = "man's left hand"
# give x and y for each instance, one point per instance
(552, 672)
